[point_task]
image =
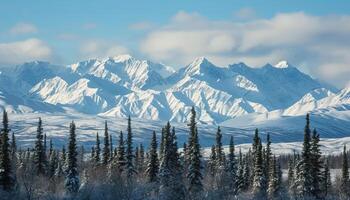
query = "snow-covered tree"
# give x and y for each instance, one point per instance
(232, 168)
(153, 162)
(194, 174)
(39, 151)
(7, 180)
(72, 176)
(106, 147)
(259, 181)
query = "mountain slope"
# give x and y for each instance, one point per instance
(123, 85)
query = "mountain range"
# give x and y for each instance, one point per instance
(123, 85)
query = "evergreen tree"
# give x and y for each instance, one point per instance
(39, 151)
(259, 181)
(304, 177)
(240, 178)
(106, 148)
(53, 163)
(171, 186)
(194, 174)
(111, 146)
(274, 181)
(219, 151)
(141, 158)
(267, 159)
(232, 167)
(72, 176)
(13, 148)
(51, 148)
(345, 182)
(161, 147)
(316, 165)
(129, 152)
(120, 157)
(7, 181)
(97, 151)
(212, 161)
(327, 182)
(153, 162)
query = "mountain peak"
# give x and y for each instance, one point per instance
(282, 64)
(196, 66)
(122, 57)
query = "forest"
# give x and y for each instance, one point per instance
(166, 171)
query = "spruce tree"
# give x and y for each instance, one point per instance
(97, 150)
(129, 152)
(111, 146)
(72, 176)
(141, 158)
(212, 161)
(274, 190)
(120, 157)
(345, 182)
(267, 159)
(316, 165)
(53, 163)
(259, 181)
(304, 177)
(13, 148)
(327, 182)
(232, 167)
(39, 151)
(194, 174)
(153, 162)
(219, 151)
(171, 186)
(7, 181)
(106, 148)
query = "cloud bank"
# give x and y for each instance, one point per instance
(24, 51)
(320, 45)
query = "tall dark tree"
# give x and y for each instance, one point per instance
(39, 151)
(259, 181)
(111, 146)
(153, 162)
(72, 175)
(7, 181)
(13, 148)
(316, 165)
(345, 182)
(97, 149)
(267, 159)
(274, 184)
(194, 174)
(232, 167)
(326, 180)
(120, 157)
(171, 186)
(212, 162)
(219, 150)
(304, 176)
(129, 152)
(106, 148)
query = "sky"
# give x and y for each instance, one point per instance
(313, 35)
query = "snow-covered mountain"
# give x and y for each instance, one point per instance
(123, 85)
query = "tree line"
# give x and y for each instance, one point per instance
(165, 171)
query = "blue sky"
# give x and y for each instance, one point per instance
(175, 32)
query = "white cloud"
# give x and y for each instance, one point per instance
(101, 49)
(141, 26)
(23, 28)
(23, 51)
(319, 44)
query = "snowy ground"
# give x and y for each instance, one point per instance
(285, 139)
